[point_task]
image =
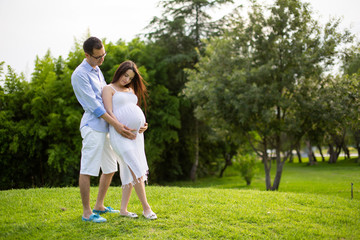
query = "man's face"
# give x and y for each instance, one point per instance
(97, 58)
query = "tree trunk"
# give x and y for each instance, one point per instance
(339, 142)
(291, 158)
(314, 157)
(227, 157)
(248, 181)
(338, 151)
(310, 152)
(279, 170)
(279, 165)
(346, 151)
(322, 155)
(196, 163)
(332, 153)
(267, 166)
(298, 154)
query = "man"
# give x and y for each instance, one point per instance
(88, 81)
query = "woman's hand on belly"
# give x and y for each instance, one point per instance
(143, 128)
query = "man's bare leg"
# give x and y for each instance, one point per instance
(84, 184)
(104, 184)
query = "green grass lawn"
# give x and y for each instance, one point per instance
(322, 178)
(309, 205)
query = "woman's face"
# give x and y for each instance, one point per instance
(127, 77)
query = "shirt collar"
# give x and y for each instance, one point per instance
(89, 67)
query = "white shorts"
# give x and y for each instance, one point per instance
(96, 153)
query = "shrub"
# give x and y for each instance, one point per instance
(247, 166)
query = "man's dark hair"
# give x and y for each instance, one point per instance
(91, 43)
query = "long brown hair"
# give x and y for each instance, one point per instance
(137, 83)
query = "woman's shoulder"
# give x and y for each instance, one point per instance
(109, 88)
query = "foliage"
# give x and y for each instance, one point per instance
(192, 16)
(247, 166)
(249, 77)
(259, 83)
(351, 60)
(351, 67)
(13, 129)
(179, 33)
(40, 123)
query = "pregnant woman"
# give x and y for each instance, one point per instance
(122, 99)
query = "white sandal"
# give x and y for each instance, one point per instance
(151, 215)
(129, 215)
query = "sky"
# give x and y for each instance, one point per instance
(29, 28)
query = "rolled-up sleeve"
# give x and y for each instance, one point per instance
(86, 95)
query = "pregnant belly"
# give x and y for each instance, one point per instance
(131, 117)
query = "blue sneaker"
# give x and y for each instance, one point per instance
(94, 218)
(107, 210)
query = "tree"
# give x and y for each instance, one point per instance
(351, 60)
(249, 75)
(351, 68)
(181, 30)
(13, 131)
(55, 117)
(349, 103)
(40, 121)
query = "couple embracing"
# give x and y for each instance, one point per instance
(112, 131)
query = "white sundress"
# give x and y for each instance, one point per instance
(131, 152)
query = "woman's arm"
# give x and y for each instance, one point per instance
(107, 95)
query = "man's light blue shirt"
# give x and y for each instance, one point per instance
(87, 83)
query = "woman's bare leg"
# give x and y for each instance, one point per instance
(126, 193)
(140, 192)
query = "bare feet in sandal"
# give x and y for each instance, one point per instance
(129, 215)
(151, 215)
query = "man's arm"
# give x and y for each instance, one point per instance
(119, 127)
(85, 94)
